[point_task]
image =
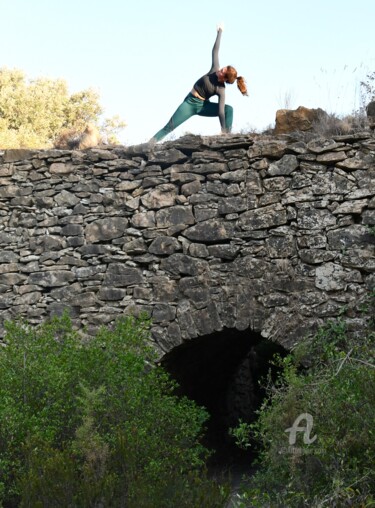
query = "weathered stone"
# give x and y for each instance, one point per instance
(330, 277)
(66, 198)
(164, 289)
(312, 241)
(312, 218)
(164, 245)
(72, 230)
(211, 230)
(250, 266)
(279, 183)
(198, 250)
(60, 168)
(169, 156)
(153, 181)
(300, 119)
(51, 278)
(232, 205)
(285, 166)
(111, 294)
(196, 290)
(119, 275)
(175, 215)
(235, 176)
(322, 145)
(344, 238)
(7, 256)
(281, 246)
(361, 259)
(89, 272)
(331, 157)
(254, 184)
(262, 164)
(18, 154)
(185, 320)
(353, 163)
(265, 217)
(191, 188)
(135, 246)
(30, 298)
(10, 191)
(182, 175)
(93, 250)
(207, 320)
(368, 217)
(274, 300)
(143, 220)
(183, 264)
(105, 229)
(163, 312)
(356, 206)
(316, 256)
(9, 267)
(6, 170)
(84, 299)
(223, 251)
(267, 148)
(162, 196)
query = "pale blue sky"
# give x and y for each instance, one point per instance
(144, 56)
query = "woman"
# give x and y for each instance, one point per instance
(197, 101)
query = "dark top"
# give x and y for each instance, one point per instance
(208, 85)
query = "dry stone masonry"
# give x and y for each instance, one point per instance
(272, 234)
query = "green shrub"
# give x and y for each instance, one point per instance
(87, 423)
(332, 380)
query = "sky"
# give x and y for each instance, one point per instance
(143, 56)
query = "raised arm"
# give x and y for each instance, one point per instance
(215, 50)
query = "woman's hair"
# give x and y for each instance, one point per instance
(231, 77)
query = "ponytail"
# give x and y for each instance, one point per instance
(231, 77)
(241, 85)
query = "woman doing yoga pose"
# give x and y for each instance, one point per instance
(197, 101)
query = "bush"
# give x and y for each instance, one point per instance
(87, 423)
(35, 112)
(331, 382)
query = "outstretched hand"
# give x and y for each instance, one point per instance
(220, 26)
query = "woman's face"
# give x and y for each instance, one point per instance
(221, 74)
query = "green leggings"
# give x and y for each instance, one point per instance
(192, 106)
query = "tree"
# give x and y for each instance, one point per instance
(94, 422)
(368, 89)
(315, 430)
(33, 112)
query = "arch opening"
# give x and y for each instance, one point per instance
(222, 371)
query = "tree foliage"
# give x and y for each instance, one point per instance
(332, 379)
(87, 423)
(368, 89)
(34, 111)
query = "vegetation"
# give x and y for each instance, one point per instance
(332, 124)
(330, 381)
(89, 423)
(368, 89)
(34, 112)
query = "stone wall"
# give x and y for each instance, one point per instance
(203, 233)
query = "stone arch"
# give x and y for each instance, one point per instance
(225, 372)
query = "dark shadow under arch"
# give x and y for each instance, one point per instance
(221, 371)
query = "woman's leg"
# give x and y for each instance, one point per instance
(187, 109)
(228, 117)
(212, 109)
